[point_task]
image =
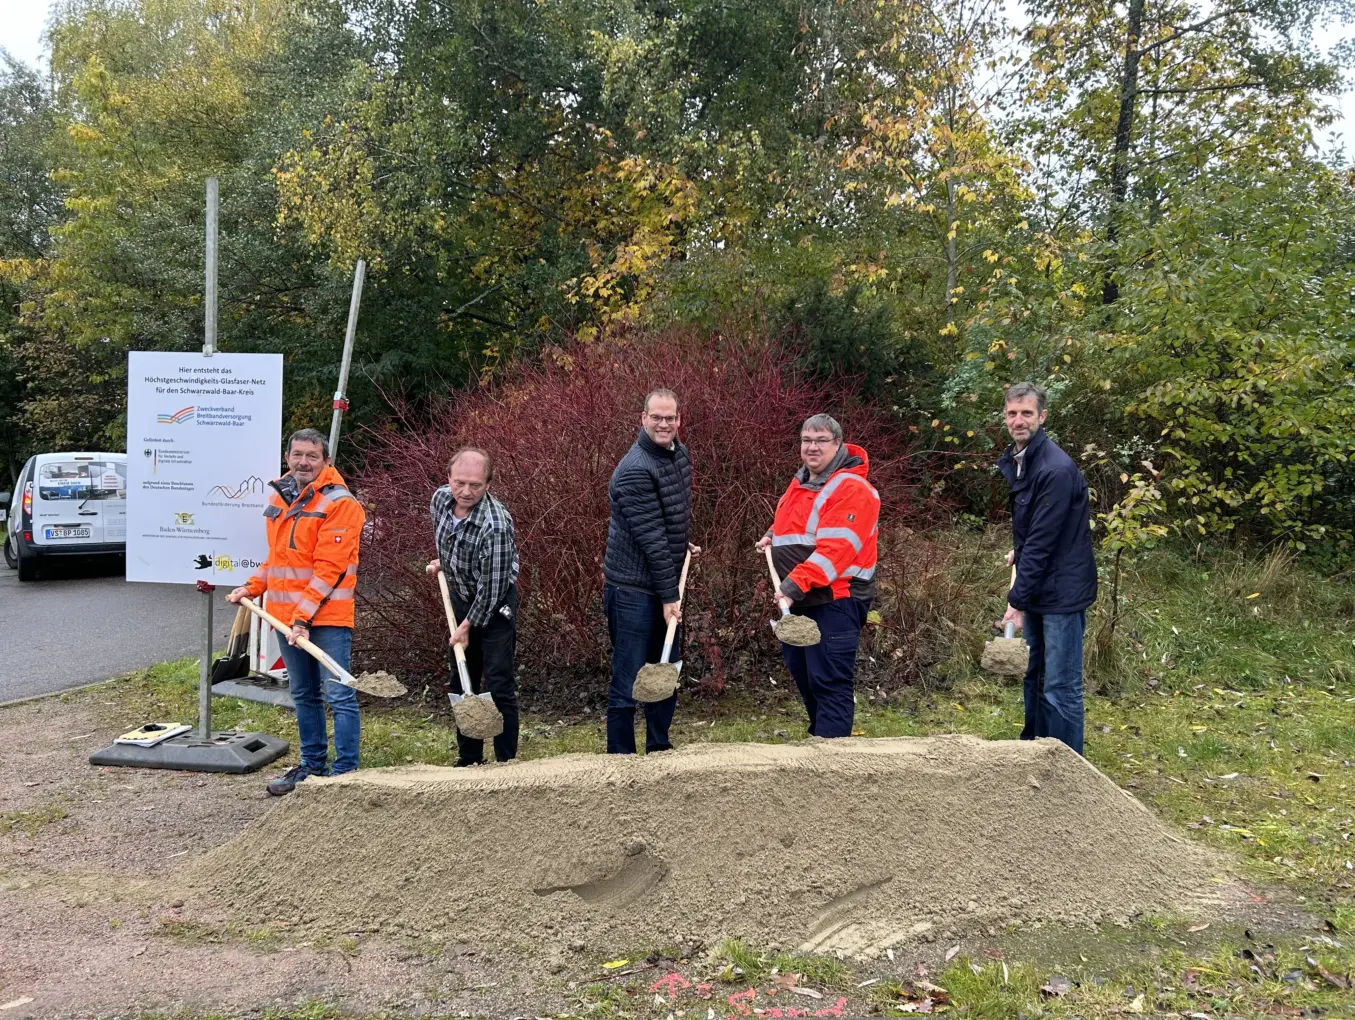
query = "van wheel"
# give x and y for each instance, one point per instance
(10, 560)
(28, 567)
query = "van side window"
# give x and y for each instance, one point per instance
(82, 480)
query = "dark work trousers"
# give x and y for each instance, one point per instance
(1054, 677)
(636, 627)
(489, 660)
(826, 673)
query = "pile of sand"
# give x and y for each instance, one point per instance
(477, 718)
(800, 631)
(655, 681)
(851, 845)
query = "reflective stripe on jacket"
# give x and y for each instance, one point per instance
(311, 572)
(824, 533)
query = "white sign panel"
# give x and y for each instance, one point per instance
(204, 437)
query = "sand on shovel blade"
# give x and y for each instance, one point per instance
(477, 718)
(799, 631)
(380, 685)
(655, 682)
(1005, 657)
(848, 845)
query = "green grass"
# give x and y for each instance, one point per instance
(30, 822)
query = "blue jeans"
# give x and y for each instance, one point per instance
(825, 674)
(636, 627)
(304, 678)
(1054, 677)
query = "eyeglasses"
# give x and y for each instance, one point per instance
(805, 441)
(664, 419)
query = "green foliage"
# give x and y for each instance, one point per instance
(924, 205)
(1237, 346)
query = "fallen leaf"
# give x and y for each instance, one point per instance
(787, 980)
(1326, 975)
(1056, 986)
(1198, 927)
(138, 950)
(808, 993)
(867, 983)
(24, 1001)
(1135, 1006)
(1254, 595)
(922, 1006)
(950, 953)
(613, 964)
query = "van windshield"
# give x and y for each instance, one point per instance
(82, 480)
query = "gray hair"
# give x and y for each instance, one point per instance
(479, 452)
(823, 423)
(660, 392)
(1021, 390)
(309, 436)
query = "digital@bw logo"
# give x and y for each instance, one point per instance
(224, 564)
(180, 416)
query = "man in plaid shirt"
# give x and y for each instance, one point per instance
(478, 550)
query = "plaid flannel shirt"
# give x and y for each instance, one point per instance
(480, 558)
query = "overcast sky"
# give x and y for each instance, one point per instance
(22, 23)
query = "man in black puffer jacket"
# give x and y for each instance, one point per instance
(1055, 567)
(651, 496)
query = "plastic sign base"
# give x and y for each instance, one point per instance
(267, 690)
(226, 752)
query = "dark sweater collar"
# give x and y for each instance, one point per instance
(649, 446)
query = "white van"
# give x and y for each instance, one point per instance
(67, 504)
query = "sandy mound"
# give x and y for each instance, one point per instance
(477, 718)
(1005, 656)
(849, 845)
(655, 681)
(800, 631)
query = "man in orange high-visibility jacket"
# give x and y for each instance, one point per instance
(314, 528)
(823, 541)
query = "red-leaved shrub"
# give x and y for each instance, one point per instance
(556, 432)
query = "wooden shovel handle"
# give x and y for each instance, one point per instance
(305, 644)
(457, 650)
(771, 568)
(672, 624)
(1013, 580)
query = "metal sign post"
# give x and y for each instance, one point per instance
(340, 395)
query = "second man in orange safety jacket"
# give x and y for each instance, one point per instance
(823, 542)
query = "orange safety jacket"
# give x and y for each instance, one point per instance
(824, 533)
(312, 567)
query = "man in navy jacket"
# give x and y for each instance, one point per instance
(1055, 567)
(647, 540)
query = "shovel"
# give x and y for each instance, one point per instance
(799, 631)
(476, 715)
(235, 663)
(378, 685)
(1007, 655)
(657, 681)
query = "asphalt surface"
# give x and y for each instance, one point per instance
(80, 623)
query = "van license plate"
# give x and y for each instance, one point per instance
(68, 533)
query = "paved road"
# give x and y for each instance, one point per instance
(80, 623)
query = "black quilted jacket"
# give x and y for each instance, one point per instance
(651, 496)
